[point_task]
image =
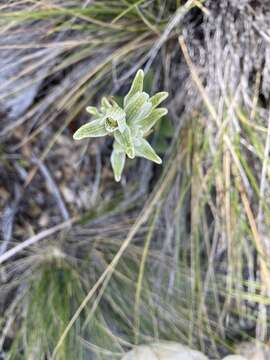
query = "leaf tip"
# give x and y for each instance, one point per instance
(76, 136)
(130, 153)
(166, 94)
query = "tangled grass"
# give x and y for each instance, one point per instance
(179, 254)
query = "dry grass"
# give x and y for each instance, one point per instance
(179, 253)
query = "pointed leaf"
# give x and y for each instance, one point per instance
(137, 106)
(105, 103)
(158, 98)
(137, 86)
(145, 150)
(118, 159)
(94, 128)
(92, 110)
(147, 123)
(125, 140)
(144, 111)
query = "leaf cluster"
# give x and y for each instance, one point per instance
(129, 125)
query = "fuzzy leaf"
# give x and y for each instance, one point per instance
(158, 98)
(125, 140)
(137, 86)
(92, 110)
(118, 159)
(144, 111)
(147, 123)
(145, 150)
(94, 128)
(137, 105)
(136, 132)
(118, 147)
(105, 103)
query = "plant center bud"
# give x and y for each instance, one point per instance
(111, 124)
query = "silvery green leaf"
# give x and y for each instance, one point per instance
(145, 150)
(105, 102)
(92, 110)
(116, 114)
(94, 128)
(147, 123)
(141, 111)
(144, 111)
(118, 159)
(125, 140)
(118, 147)
(137, 86)
(158, 98)
(137, 105)
(136, 131)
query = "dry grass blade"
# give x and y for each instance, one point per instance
(142, 218)
(36, 238)
(260, 247)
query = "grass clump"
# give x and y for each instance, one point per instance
(52, 294)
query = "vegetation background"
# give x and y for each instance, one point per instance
(179, 252)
